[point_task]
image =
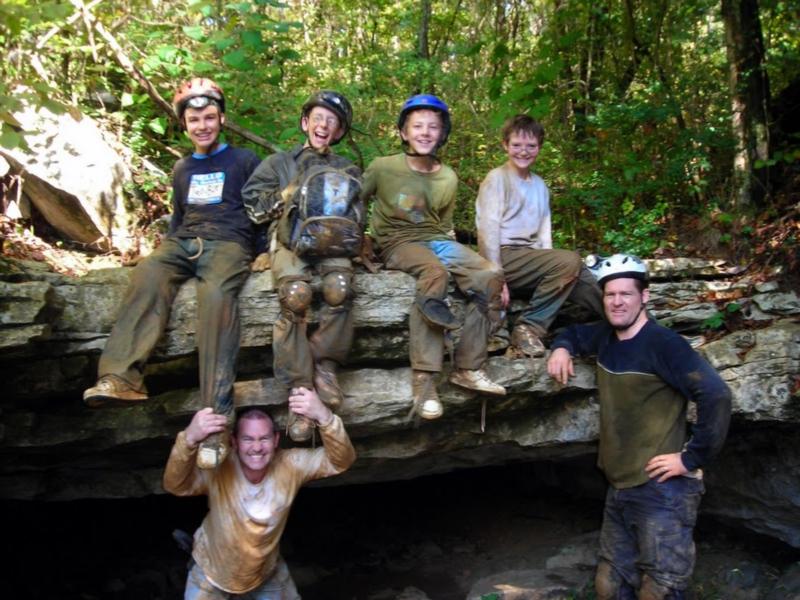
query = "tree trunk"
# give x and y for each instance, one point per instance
(422, 41)
(749, 100)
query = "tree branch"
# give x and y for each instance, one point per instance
(125, 62)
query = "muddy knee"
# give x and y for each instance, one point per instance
(337, 288)
(295, 298)
(607, 582)
(652, 590)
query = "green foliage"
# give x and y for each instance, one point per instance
(636, 136)
(718, 320)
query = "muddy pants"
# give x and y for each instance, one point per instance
(553, 277)
(476, 277)
(646, 540)
(279, 586)
(294, 353)
(220, 270)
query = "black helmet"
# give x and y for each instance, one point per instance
(430, 102)
(332, 101)
(197, 92)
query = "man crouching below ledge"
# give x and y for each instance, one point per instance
(236, 549)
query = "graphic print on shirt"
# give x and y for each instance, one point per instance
(410, 207)
(206, 188)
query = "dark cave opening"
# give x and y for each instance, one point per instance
(435, 533)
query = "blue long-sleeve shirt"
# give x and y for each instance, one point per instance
(644, 384)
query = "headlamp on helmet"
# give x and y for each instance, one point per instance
(197, 92)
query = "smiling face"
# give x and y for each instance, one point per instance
(203, 126)
(255, 443)
(522, 149)
(422, 131)
(322, 127)
(624, 305)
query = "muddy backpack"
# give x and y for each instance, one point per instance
(327, 218)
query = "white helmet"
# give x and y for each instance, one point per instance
(621, 265)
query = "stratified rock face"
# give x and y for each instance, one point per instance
(73, 177)
(53, 328)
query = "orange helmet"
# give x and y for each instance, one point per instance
(197, 92)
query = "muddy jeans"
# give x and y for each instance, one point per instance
(279, 586)
(647, 530)
(553, 277)
(295, 354)
(476, 277)
(220, 272)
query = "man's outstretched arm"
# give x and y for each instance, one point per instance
(181, 476)
(337, 453)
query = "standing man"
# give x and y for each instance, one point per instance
(274, 196)
(211, 239)
(646, 374)
(236, 549)
(512, 215)
(412, 223)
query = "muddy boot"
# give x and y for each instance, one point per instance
(327, 385)
(526, 341)
(476, 379)
(423, 390)
(213, 450)
(300, 428)
(111, 389)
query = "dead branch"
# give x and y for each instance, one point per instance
(55, 29)
(125, 62)
(250, 136)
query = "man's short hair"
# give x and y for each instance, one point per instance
(253, 412)
(640, 285)
(523, 124)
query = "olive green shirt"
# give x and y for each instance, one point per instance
(409, 206)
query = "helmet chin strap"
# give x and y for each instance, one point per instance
(408, 152)
(623, 328)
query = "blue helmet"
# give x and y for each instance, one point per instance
(430, 102)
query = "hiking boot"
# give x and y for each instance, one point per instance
(476, 379)
(300, 428)
(327, 385)
(213, 450)
(423, 390)
(526, 340)
(112, 389)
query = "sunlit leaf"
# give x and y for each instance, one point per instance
(194, 31)
(238, 59)
(252, 38)
(9, 138)
(159, 125)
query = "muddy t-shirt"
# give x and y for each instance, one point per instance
(409, 206)
(207, 196)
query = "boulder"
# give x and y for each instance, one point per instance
(74, 178)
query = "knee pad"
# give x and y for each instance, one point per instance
(607, 582)
(295, 296)
(336, 288)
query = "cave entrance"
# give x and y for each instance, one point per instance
(437, 534)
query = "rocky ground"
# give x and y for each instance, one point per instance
(488, 534)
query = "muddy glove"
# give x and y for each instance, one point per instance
(261, 263)
(287, 194)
